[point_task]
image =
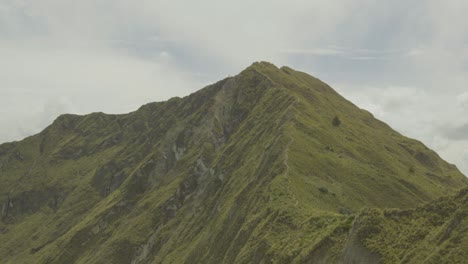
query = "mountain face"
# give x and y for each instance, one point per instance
(269, 166)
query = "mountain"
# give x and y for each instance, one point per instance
(269, 166)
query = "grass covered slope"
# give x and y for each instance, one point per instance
(433, 233)
(352, 159)
(267, 166)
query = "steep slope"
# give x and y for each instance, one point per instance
(267, 166)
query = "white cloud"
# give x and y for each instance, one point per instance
(415, 52)
(315, 51)
(463, 100)
(40, 83)
(457, 153)
(406, 61)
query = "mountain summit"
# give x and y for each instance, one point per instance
(269, 166)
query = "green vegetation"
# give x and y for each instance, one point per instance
(264, 167)
(432, 233)
(336, 121)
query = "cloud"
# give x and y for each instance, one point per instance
(403, 60)
(458, 133)
(457, 153)
(463, 100)
(315, 51)
(342, 53)
(50, 67)
(415, 52)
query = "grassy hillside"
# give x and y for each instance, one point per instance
(433, 233)
(269, 166)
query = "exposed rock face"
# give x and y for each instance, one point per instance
(253, 169)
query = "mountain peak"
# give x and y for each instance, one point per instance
(262, 64)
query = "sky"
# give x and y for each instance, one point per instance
(406, 61)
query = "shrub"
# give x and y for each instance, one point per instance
(336, 121)
(345, 211)
(323, 190)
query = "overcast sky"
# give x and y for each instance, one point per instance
(406, 61)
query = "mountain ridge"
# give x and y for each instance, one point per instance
(267, 166)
